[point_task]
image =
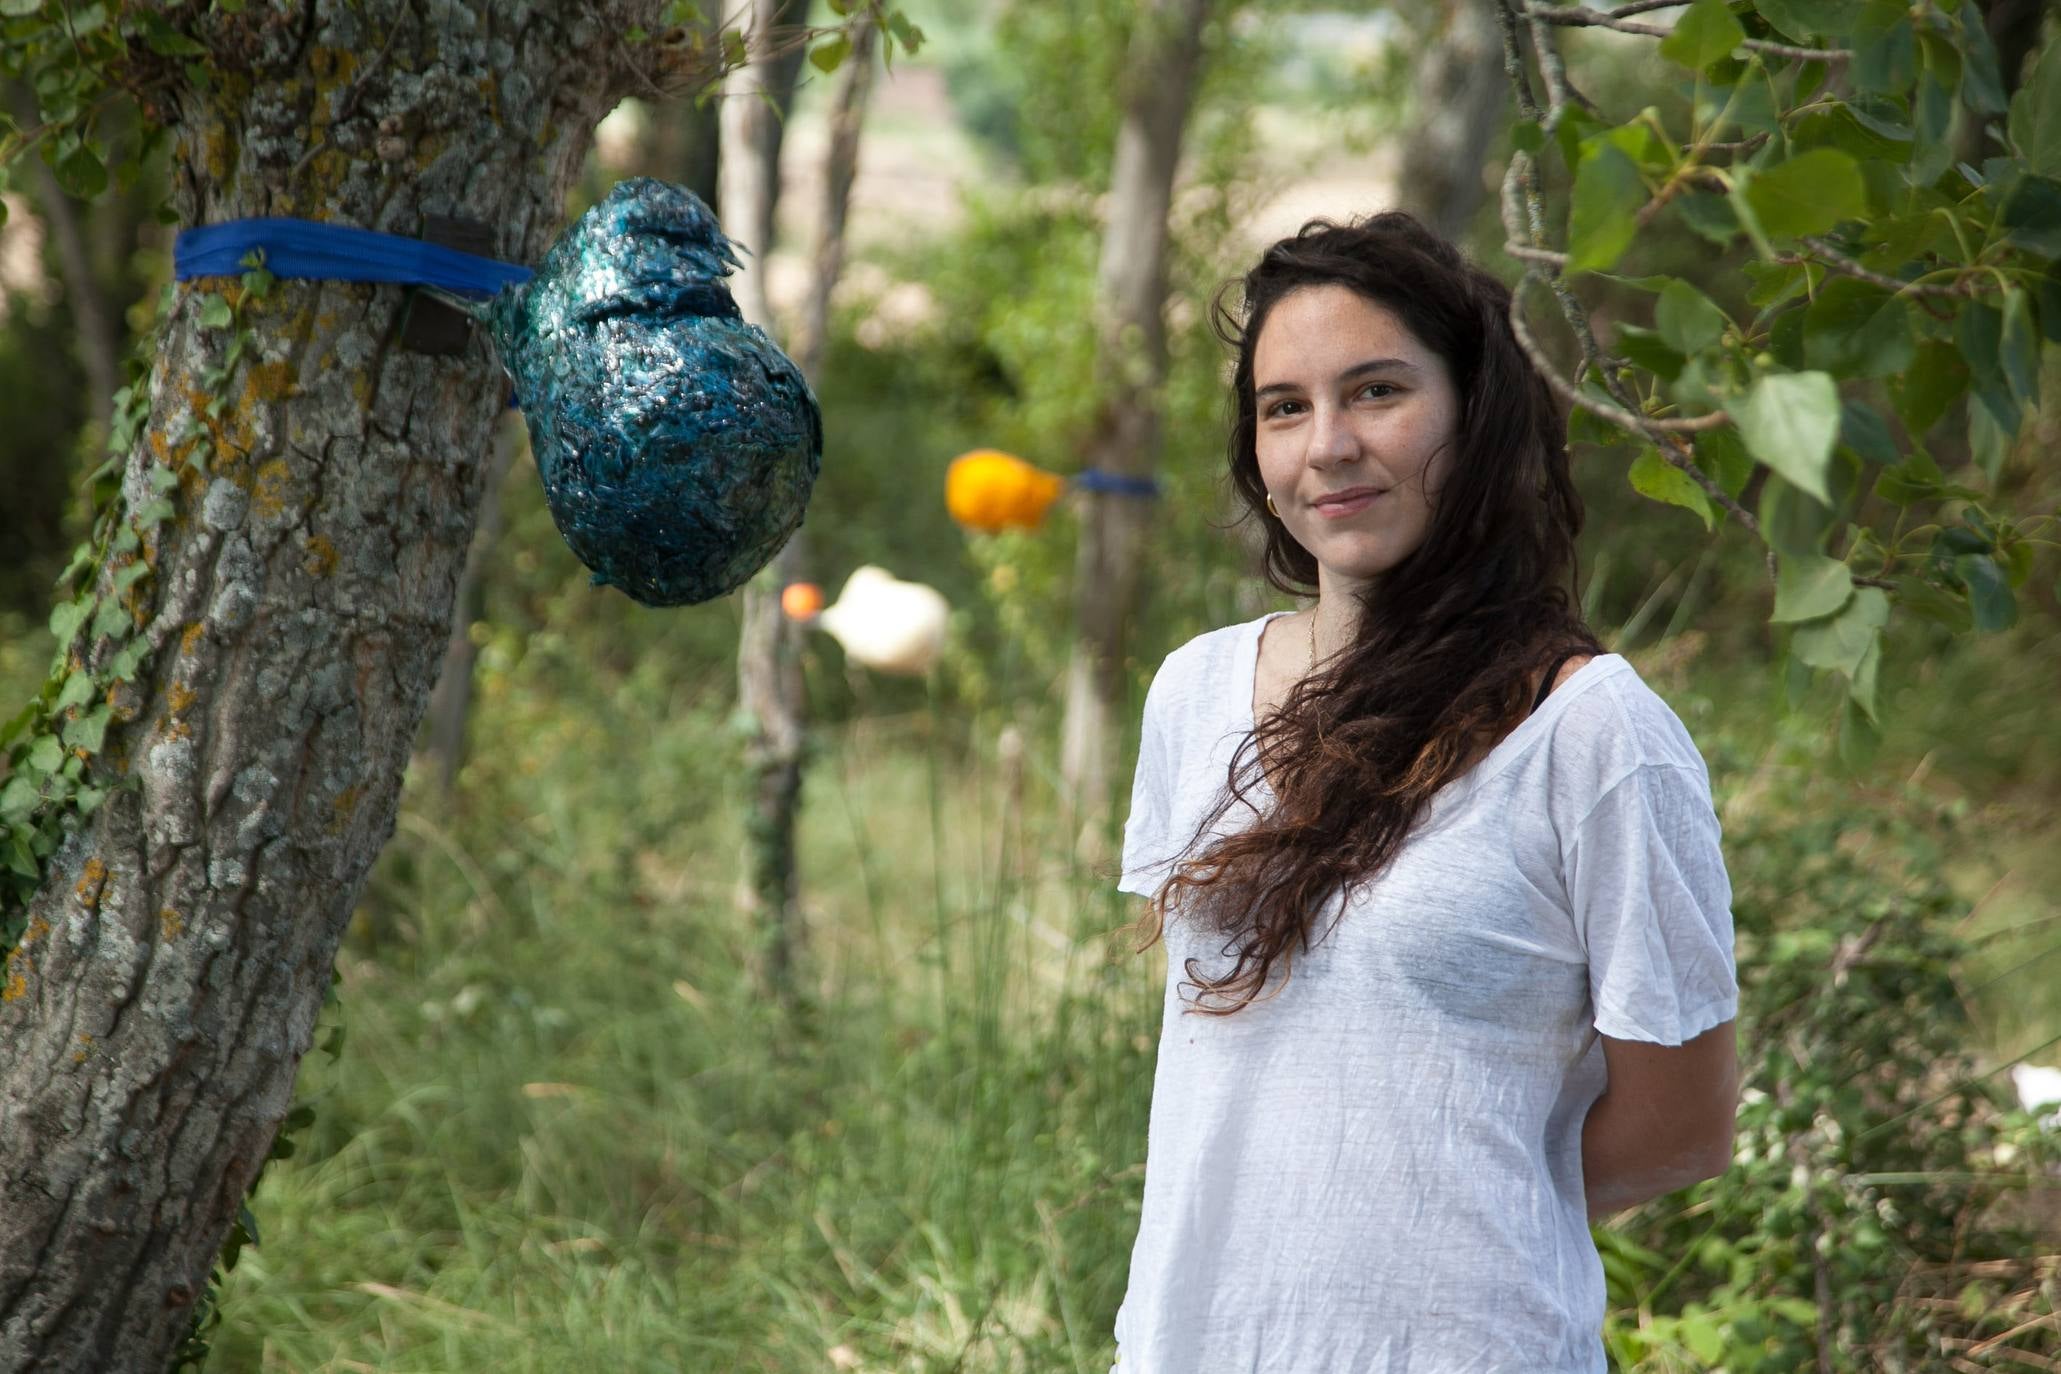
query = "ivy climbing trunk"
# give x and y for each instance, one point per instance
(1164, 59)
(323, 483)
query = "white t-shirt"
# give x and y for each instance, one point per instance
(1378, 1169)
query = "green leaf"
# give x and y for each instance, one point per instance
(1708, 214)
(82, 173)
(829, 55)
(1862, 429)
(2035, 122)
(905, 32)
(110, 618)
(1645, 348)
(45, 756)
(1982, 81)
(1887, 60)
(1653, 476)
(1809, 585)
(1807, 194)
(1790, 420)
(77, 691)
(89, 731)
(1923, 599)
(18, 797)
(1527, 136)
(1705, 32)
(1855, 329)
(1840, 641)
(2018, 348)
(66, 617)
(1988, 442)
(2031, 217)
(1792, 521)
(1723, 457)
(1805, 20)
(1607, 194)
(1925, 390)
(19, 9)
(215, 313)
(1989, 592)
(1687, 319)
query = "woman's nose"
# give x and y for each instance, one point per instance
(1331, 438)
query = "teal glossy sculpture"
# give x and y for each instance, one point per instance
(677, 444)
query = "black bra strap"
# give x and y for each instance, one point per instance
(1546, 686)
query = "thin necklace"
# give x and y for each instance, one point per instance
(1313, 641)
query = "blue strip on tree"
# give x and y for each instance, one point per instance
(1095, 479)
(338, 252)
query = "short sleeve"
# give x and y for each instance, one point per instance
(1652, 906)
(1145, 828)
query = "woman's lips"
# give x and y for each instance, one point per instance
(1351, 505)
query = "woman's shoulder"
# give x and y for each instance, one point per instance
(1204, 658)
(1612, 718)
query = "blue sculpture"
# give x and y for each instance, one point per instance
(677, 444)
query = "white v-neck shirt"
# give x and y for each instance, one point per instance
(1378, 1169)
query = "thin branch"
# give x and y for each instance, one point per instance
(1839, 262)
(1575, 17)
(1642, 6)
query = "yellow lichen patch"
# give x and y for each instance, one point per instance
(171, 924)
(190, 636)
(268, 382)
(331, 67)
(92, 878)
(268, 496)
(180, 698)
(321, 560)
(38, 928)
(18, 966)
(346, 802)
(161, 447)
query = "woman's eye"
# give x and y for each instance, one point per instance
(1281, 408)
(1378, 390)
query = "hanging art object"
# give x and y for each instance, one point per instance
(677, 444)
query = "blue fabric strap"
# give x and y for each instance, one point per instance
(337, 252)
(1095, 479)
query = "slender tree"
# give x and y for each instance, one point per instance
(1164, 60)
(769, 676)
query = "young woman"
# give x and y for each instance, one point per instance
(1484, 849)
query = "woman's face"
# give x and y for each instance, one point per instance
(1356, 423)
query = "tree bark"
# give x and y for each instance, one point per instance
(1165, 57)
(769, 676)
(1461, 92)
(178, 951)
(755, 109)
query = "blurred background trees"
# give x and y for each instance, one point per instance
(567, 1125)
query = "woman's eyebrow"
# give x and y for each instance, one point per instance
(1353, 373)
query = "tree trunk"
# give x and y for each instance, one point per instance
(754, 127)
(1461, 92)
(180, 946)
(769, 676)
(1165, 56)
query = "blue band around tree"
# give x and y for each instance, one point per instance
(337, 252)
(1116, 483)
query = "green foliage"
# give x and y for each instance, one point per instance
(1877, 356)
(1871, 1155)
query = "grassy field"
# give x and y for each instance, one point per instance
(563, 1130)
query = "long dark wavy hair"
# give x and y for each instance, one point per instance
(1451, 643)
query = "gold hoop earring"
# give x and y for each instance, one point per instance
(1270, 506)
